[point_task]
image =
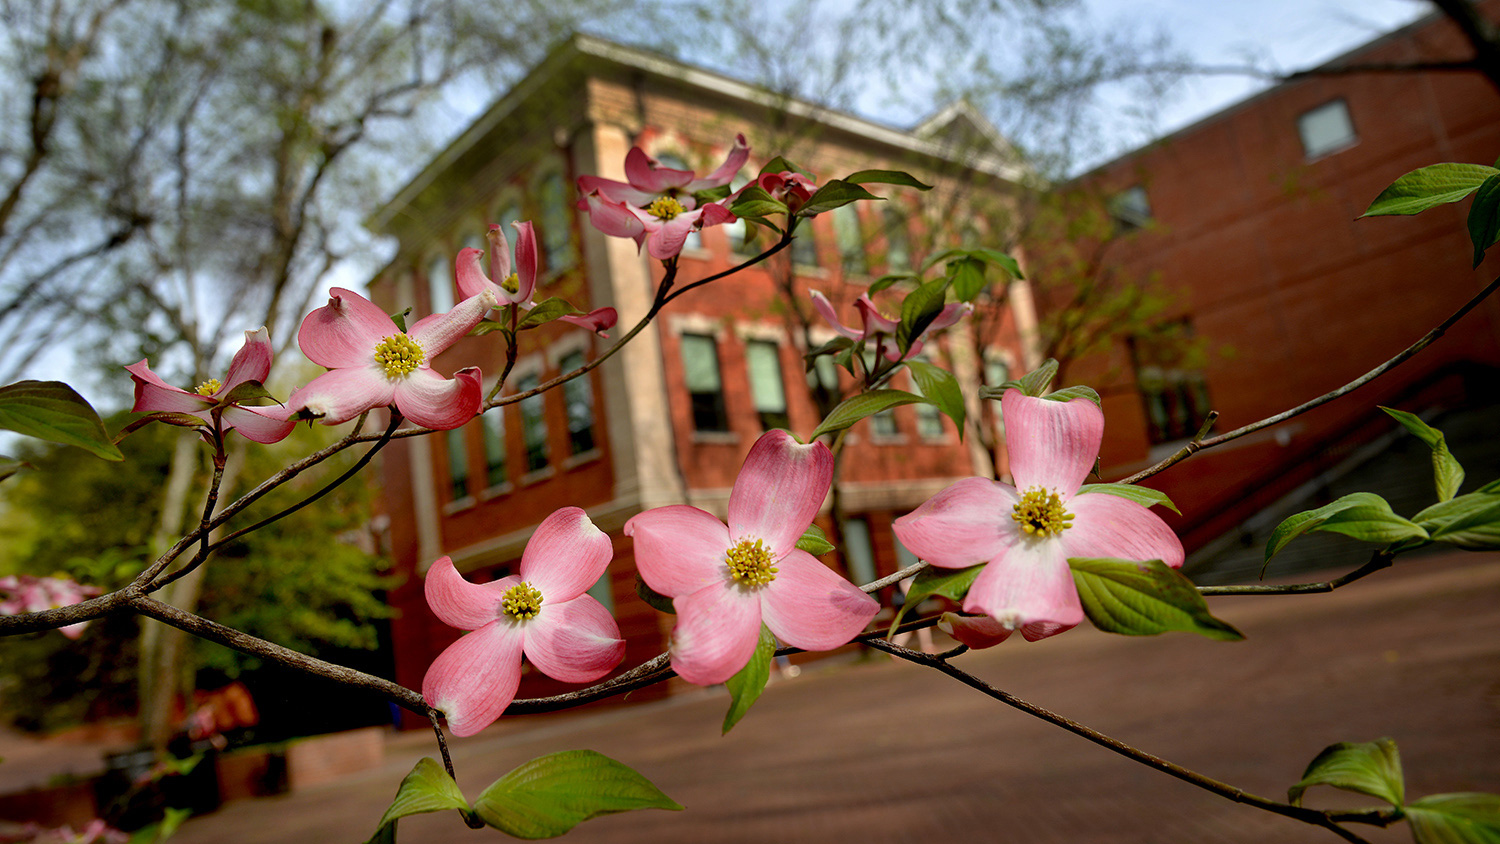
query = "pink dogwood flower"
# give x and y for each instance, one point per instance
(875, 325)
(251, 363)
(26, 593)
(516, 288)
(372, 363)
(726, 580)
(1026, 533)
(544, 613)
(789, 186)
(656, 206)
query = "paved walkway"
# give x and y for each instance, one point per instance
(874, 751)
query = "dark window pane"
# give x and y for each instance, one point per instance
(579, 395)
(533, 425)
(700, 362)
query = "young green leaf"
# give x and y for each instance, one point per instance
(1484, 217)
(1462, 818)
(1033, 383)
(967, 275)
(1143, 495)
(781, 165)
(1372, 768)
(994, 256)
(428, 788)
(814, 541)
(885, 177)
(1078, 392)
(747, 683)
(9, 466)
(859, 406)
(53, 411)
(940, 388)
(753, 201)
(400, 319)
(1362, 515)
(1447, 474)
(918, 310)
(654, 599)
(1469, 521)
(952, 584)
(163, 829)
(832, 195)
(889, 279)
(245, 392)
(1429, 187)
(1143, 599)
(488, 326)
(545, 312)
(550, 795)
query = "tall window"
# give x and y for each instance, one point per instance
(495, 457)
(897, 242)
(458, 465)
(533, 424)
(859, 552)
(850, 240)
(767, 390)
(555, 226)
(804, 246)
(929, 418)
(1173, 392)
(1326, 129)
(579, 395)
(440, 285)
(1130, 209)
(882, 424)
(700, 363)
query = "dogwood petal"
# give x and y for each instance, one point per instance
(436, 332)
(1028, 582)
(810, 607)
(966, 524)
(574, 641)
(344, 332)
(432, 401)
(949, 316)
(342, 394)
(259, 424)
(725, 173)
(646, 173)
(612, 217)
(825, 309)
(1038, 630)
(526, 262)
(779, 491)
(679, 549)
(1111, 526)
(499, 253)
(668, 239)
(717, 630)
(153, 395)
(598, 320)
(1053, 444)
(476, 677)
(565, 556)
(976, 631)
(468, 273)
(251, 363)
(457, 602)
(614, 191)
(874, 321)
(715, 214)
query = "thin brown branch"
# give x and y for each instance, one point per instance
(1378, 560)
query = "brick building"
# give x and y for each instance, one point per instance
(670, 418)
(1249, 218)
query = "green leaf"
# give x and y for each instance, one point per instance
(428, 788)
(1143, 495)
(857, 407)
(918, 310)
(1462, 818)
(162, 829)
(400, 319)
(1469, 521)
(657, 601)
(1143, 599)
(1033, 383)
(747, 683)
(548, 796)
(9, 466)
(53, 411)
(781, 165)
(952, 584)
(1447, 474)
(1362, 515)
(941, 389)
(1484, 218)
(889, 279)
(814, 541)
(833, 195)
(886, 177)
(837, 344)
(546, 311)
(1000, 259)
(1429, 187)
(244, 392)
(713, 194)
(1372, 768)
(1491, 488)
(753, 201)
(967, 275)
(1079, 392)
(489, 326)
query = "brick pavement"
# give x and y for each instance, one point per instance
(874, 751)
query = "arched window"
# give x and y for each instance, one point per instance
(554, 222)
(440, 284)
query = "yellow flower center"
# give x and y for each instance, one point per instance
(751, 563)
(1040, 513)
(511, 284)
(521, 602)
(209, 387)
(664, 208)
(399, 355)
